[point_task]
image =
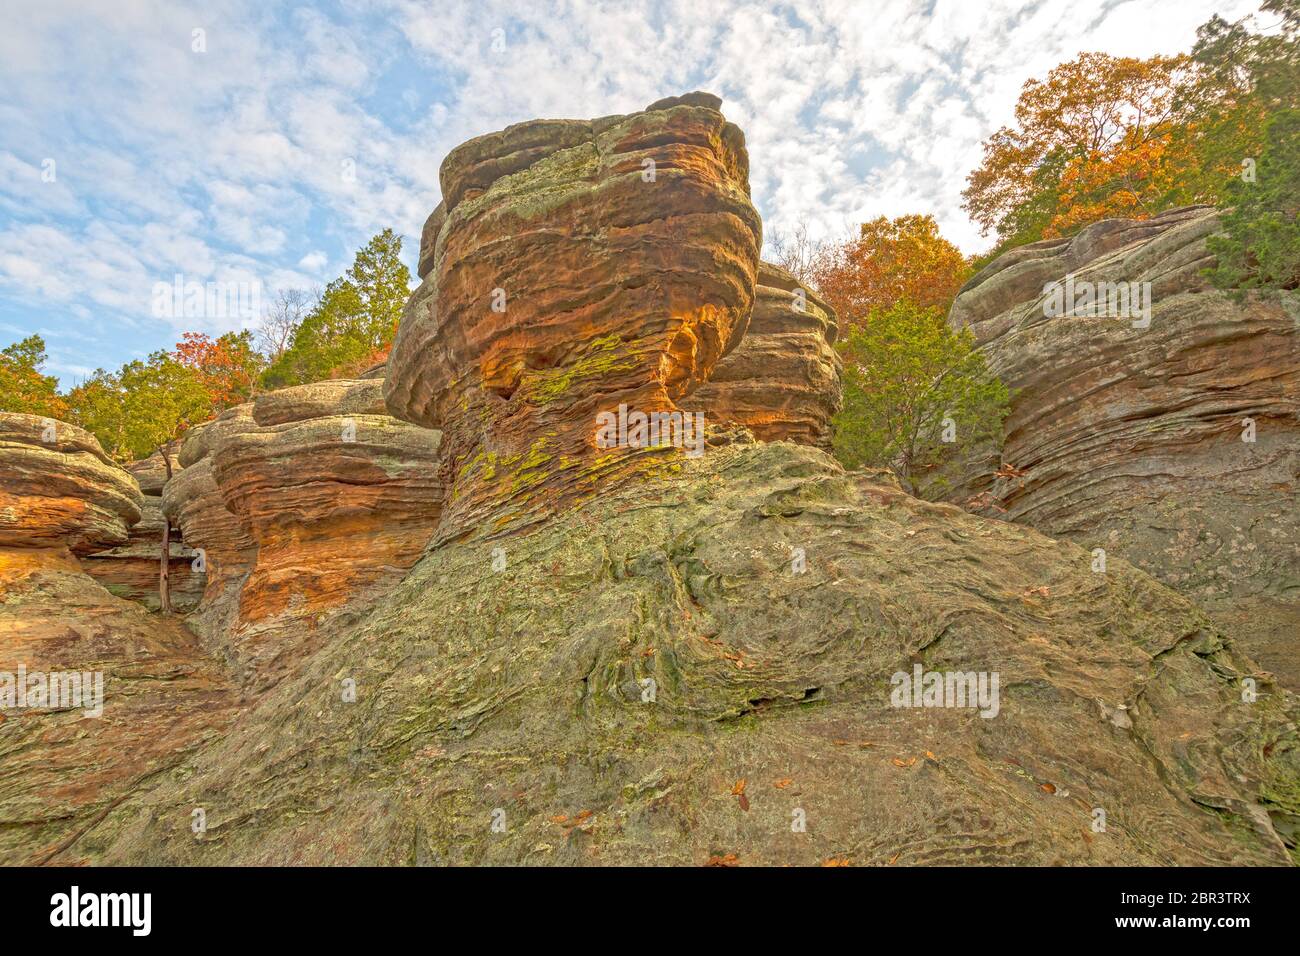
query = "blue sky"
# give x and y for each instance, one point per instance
(267, 147)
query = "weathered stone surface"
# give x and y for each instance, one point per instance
(525, 691)
(227, 552)
(783, 380)
(59, 489)
(60, 771)
(1131, 439)
(321, 399)
(306, 502)
(620, 255)
(131, 570)
(429, 239)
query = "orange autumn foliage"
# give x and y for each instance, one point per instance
(1096, 138)
(891, 260)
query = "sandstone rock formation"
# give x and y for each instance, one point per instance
(58, 489)
(636, 656)
(636, 661)
(131, 570)
(783, 380)
(226, 551)
(578, 266)
(1130, 436)
(307, 500)
(62, 765)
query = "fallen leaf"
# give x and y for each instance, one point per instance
(729, 860)
(744, 802)
(904, 763)
(894, 859)
(783, 783)
(582, 816)
(932, 756)
(739, 787)
(561, 819)
(1049, 788)
(837, 861)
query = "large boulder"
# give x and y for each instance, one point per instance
(578, 267)
(783, 380)
(308, 501)
(706, 663)
(1169, 438)
(58, 489)
(225, 551)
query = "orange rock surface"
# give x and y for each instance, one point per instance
(581, 266)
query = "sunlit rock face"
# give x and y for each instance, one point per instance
(144, 696)
(131, 570)
(226, 552)
(576, 267)
(783, 380)
(1168, 435)
(58, 489)
(307, 501)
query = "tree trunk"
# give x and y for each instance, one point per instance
(164, 563)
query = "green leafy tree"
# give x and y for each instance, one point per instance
(355, 318)
(1261, 245)
(144, 405)
(919, 399)
(22, 386)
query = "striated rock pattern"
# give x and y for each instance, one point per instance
(131, 570)
(1175, 445)
(58, 489)
(226, 551)
(149, 695)
(306, 501)
(578, 266)
(783, 380)
(640, 659)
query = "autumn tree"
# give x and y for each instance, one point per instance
(355, 318)
(23, 388)
(891, 260)
(1094, 139)
(226, 368)
(918, 397)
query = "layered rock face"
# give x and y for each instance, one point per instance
(133, 692)
(783, 380)
(59, 489)
(194, 504)
(311, 499)
(131, 570)
(606, 687)
(577, 267)
(1169, 438)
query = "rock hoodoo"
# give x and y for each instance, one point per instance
(783, 380)
(578, 266)
(1169, 438)
(312, 499)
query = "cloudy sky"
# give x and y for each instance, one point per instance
(267, 147)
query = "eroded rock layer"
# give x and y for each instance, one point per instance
(1169, 438)
(578, 266)
(783, 380)
(306, 501)
(225, 550)
(96, 694)
(605, 688)
(131, 570)
(59, 489)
